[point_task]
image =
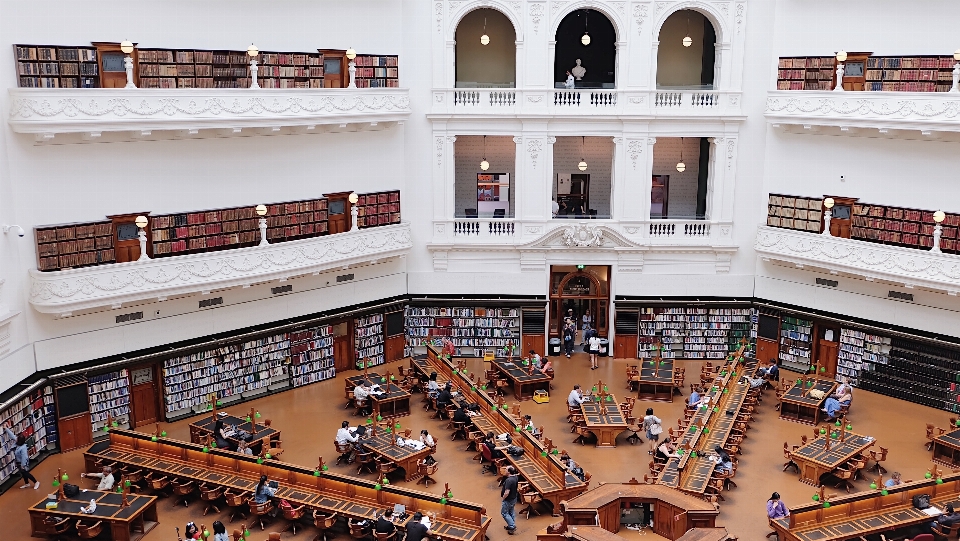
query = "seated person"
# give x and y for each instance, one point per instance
(894, 480)
(347, 435)
(445, 397)
(775, 508)
(572, 466)
(416, 529)
(694, 398)
(769, 372)
(528, 425)
(426, 438)
(385, 523)
(106, 478)
(244, 448)
(218, 436)
(724, 462)
(460, 416)
(263, 492)
(575, 398)
(547, 366)
(536, 360)
(490, 440)
(753, 382)
(665, 451)
(433, 388)
(361, 394)
(834, 403)
(949, 518)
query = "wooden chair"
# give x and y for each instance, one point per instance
(715, 488)
(359, 407)
(343, 452)
(236, 503)
(649, 480)
(583, 434)
(366, 461)
(844, 474)
(182, 491)
(787, 455)
(91, 531)
(323, 524)
(459, 431)
(237, 534)
(427, 471)
(572, 411)
(587, 476)
(490, 464)
(210, 495)
(293, 515)
(158, 485)
(357, 531)
(931, 434)
(530, 498)
(385, 467)
(385, 536)
(260, 511)
(351, 401)
(56, 527)
(858, 463)
(878, 458)
(476, 442)
(940, 531)
(655, 468)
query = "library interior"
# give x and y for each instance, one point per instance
(222, 319)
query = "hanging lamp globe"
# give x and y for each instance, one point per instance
(484, 165)
(681, 167)
(687, 41)
(585, 40)
(484, 39)
(582, 165)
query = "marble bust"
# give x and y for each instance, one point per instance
(578, 71)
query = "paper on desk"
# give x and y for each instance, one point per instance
(932, 511)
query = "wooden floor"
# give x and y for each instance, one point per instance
(309, 417)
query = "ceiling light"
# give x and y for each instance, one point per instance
(585, 40)
(484, 164)
(484, 39)
(681, 167)
(583, 163)
(687, 40)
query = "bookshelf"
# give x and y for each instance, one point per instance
(688, 332)
(469, 328)
(311, 355)
(231, 371)
(919, 372)
(368, 340)
(377, 71)
(238, 227)
(55, 66)
(860, 351)
(796, 343)
(33, 416)
(793, 212)
(74, 245)
(910, 228)
(109, 394)
(881, 73)
(381, 208)
(806, 73)
(191, 68)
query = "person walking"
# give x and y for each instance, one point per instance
(569, 338)
(593, 346)
(653, 426)
(509, 494)
(22, 457)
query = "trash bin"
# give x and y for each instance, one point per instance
(604, 348)
(554, 346)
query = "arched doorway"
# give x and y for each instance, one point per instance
(686, 56)
(578, 289)
(486, 50)
(597, 53)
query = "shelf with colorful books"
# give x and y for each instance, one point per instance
(381, 208)
(369, 340)
(56, 66)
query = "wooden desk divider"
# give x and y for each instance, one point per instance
(457, 520)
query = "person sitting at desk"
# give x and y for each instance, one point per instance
(836, 401)
(433, 388)
(694, 399)
(491, 442)
(775, 507)
(244, 448)
(575, 398)
(416, 529)
(347, 435)
(528, 426)
(385, 523)
(724, 462)
(770, 372)
(894, 480)
(106, 478)
(949, 518)
(361, 394)
(445, 397)
(572, 466)
(535, 359)
(547, 366)
(263, 492)
(666, 451)
(219, 437)
(426, 438)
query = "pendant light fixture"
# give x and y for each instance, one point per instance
(681, 167)
(687, 40)
(484, 164)
(484, 39)
(585, 40)
(583, 163)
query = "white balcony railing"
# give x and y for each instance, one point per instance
(69, 291)
(907, 266)
(865, 113)
(586, 102)
(199, 112)
(515, 232)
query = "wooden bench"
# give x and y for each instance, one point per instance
(317, 490)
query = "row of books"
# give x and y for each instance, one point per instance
(694, 333)
(369, 340)
(34, 417)
(796, 342)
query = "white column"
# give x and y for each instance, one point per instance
(621, 68)
(450, 177)
(519, 73)
(618, 184)
(548, 65)
(534, 168)
(654, 51)
(449, 66)
(632, 179)
(645, 184)
(516, 183)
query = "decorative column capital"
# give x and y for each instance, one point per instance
(551, 140)
(651, 141)
(451, 138)
(518, 140)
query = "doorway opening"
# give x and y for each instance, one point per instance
(577, 291)
(586, 47)
(686, 56)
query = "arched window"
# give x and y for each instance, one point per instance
(486, 55)
(586, 40)
(686, 56)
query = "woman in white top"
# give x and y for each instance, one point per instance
(594, 348)
(426, 438)
(569, 83)
(653, 426)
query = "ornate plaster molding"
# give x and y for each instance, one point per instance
(860, 258)
(896, 110)
(103, 286)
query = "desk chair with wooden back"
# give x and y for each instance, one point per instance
(236, 503)
(351, 400)
(459, 431)
(358, 531)
(158, 485)
(385, 467)
(260, 511)
(385, 536)
(878, 458)
(56, 528)
(210, 495)
(940, 531)
(89, 531)
(294, 515)
(182, 490)
(530, 498)
(427, 471)
(931, 434)
(134, 475)
(344, 450)
(490, 464)
(367, 461)
(323, 524)
(788, 455)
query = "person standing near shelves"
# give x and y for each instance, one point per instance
(21, 456)
(593, 347)
(569, 337)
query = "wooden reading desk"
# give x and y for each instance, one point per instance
(384, 446)
(125, 523)
(202, 428)
(815, 460)
(854, 515)
(393, 402)
(946, 449)
(797, 404)
(655, 380)
(454, 520)
(605, 420)
(524, 383)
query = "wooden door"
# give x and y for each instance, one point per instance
(143, 397)
(343, 357)
(75, 432)
(338, 212)
(110, 60)
(393, 349)
(126, 241)
(767, 350)
(335, 74)
(625, 346)
(663, 520)
(827, 346)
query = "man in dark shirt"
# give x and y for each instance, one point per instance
(509, 494)
(460, 416)
(949, 518)
(416, 530)
(385, 523)
(445, 398)
(491, 442)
